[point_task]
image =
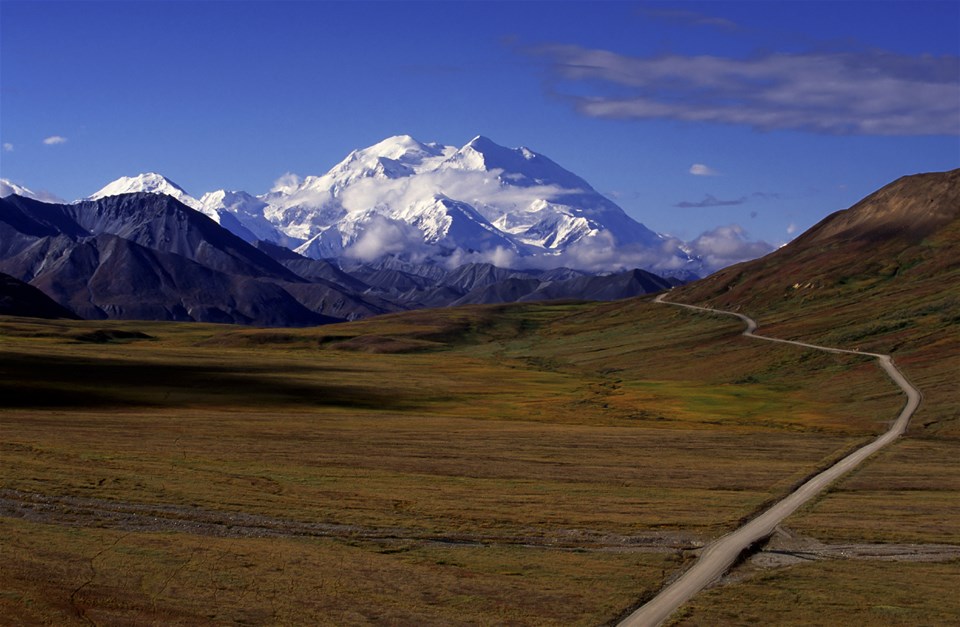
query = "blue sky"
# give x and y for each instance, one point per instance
(791, 110)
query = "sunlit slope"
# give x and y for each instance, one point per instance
(628, 427)
(881, 276)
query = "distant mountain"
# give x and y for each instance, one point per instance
(241, 214)
(605, 287)
(145, 256)
(427, 202)
(148, 183)
(429, 199)
(238, 212)
(21, 299)
(9, 188)
(398, 225)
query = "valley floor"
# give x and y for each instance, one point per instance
(540, 464)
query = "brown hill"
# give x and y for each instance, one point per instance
(906, 230)
(907, 210)
(883, 275)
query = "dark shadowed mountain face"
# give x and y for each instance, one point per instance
(162, 223)
(21, 299)
(147, 256)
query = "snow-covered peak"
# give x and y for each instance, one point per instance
(516, 166)
(9, 188)
(402, 148)
(224, 198)
(241, 214)
(395, 157)
(151, 183)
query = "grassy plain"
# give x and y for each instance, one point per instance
(891, 293)
(530, 463)
(834, 593)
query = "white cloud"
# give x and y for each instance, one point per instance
(7, 147)
(602, 253)
(698, 169)
(287, 183)
(791, 228)
(382, 236)
(54, 140)
(482, 190)
(836, 93)
(498, 256)
(726, 245)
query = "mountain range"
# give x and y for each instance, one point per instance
(400, 225)
(149, 256)
(431, 203)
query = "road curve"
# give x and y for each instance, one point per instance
(719, 555)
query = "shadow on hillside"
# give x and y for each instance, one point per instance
(30, 381)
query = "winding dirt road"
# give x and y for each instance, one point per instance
(718, 556)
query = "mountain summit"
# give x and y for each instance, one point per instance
(479, 202)
(429, 202)
(150, 183)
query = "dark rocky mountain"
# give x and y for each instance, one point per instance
(312, 269)
(106, 276)
(604, 287)
(473, 275)
(22, 299)
(148, 256)
(145, 256)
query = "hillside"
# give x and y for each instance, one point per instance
(21, 299)
(879, 276)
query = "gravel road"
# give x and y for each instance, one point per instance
(720, 555)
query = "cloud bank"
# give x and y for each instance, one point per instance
(834, 93)
(726, 245)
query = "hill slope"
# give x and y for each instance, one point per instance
(22, 299)
(879, 276)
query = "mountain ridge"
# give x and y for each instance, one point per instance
(446, 204)
(147, 255)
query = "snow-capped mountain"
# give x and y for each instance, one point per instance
(433, 199)
(241, 214)
(9, 188)
(238, 212)
(480, 202)
(149, 183)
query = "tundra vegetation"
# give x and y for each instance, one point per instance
(549, 463)
(876, 277)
